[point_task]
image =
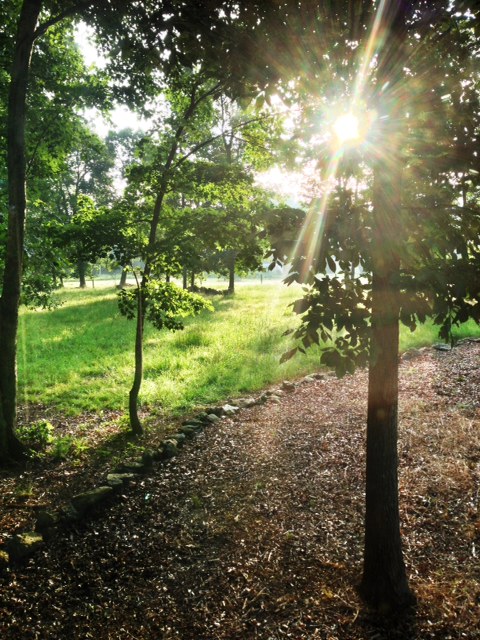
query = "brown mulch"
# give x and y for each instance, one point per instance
(255, 530)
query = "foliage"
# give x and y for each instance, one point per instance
(36, 435)
(164, 304)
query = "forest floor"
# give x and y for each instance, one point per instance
(255, 530)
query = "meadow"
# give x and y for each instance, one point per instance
(78, 357)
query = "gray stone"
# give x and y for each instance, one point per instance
(23, 545)
(202, 417)
(194, 422)
(263, 398)
(308, 379)
(212, 418)
(275, 400)
(131, 467)
(179, 437)
(246, 403)
(230, 409)
(82, 502)
(319, 376)
(218, 411)
(288, 386)
(442, 347)
(170, 449)
(188, 430)
(118, 480)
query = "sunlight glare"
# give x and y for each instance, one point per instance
(347, 129)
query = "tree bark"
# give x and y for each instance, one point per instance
(384, 583)
(185, 277)
(10, 447)
(123, 279)
(82, 272)
(231, 272)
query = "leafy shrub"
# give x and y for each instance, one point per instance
(37, 435)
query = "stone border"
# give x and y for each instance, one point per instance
(48, 525)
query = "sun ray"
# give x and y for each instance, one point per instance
(311, 236)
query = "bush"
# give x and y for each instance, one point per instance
(37, 435)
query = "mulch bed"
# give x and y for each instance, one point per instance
(255, 530)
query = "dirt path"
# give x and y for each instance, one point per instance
(255, 530)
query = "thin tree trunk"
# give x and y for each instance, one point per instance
(123, 279)
(10, 447)
(192, 280)
(384, 583)
(231, 274)
(185, 277)
(135, 423)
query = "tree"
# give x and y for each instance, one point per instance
(28, 31)
(408, 262)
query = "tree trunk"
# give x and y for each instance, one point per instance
(192, 281)
(82, 273)
(231, 273)
(185, 277)
(135, 422)
(384, 583)
(123, 279)
(10, 447)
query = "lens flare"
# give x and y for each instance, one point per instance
(347, 129)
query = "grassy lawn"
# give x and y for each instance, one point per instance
(79, 357)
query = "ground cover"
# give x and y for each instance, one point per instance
(79, 357)
(255, 530)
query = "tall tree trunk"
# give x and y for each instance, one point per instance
(135, 422)
(185, 277)
(82, 274)
(231, 273)
(123, 279)
(192, 280)
(10, 447)
(384, 582)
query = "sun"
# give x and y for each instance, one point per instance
(347, 129)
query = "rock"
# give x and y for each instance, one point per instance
(70, 515)
(201, 417)
(170, 449)
(246, 403)
(179, 437)
(278, 392)
(118, 480)
(45, 520)
(218, 411)
(23, 545)
(212, 418)
(188, 430)
(195, 422)
(131, 467)
(442, 347)
(263, 398)
(4, 562)
(230, 409)
(274, 400)
(115, 483)
(308, 379)
(147, 459)
(83, 502)
(288, 386)
(318, 376)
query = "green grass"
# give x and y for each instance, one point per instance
(79, 357)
